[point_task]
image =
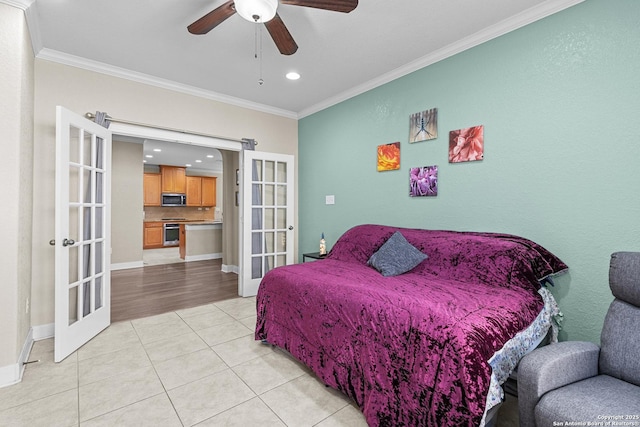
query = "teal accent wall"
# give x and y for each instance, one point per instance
(560, 102)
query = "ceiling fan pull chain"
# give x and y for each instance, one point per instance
(260, 81)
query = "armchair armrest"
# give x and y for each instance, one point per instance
(551, 367)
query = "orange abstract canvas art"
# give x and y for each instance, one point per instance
(389, 157)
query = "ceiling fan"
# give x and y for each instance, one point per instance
(265, 11)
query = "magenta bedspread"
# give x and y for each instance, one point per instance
(411, 350)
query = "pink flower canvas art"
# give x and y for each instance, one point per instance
(466, 145)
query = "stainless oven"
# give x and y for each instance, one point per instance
(171, 234)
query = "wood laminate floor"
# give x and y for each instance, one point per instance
(157, 289)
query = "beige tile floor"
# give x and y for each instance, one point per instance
(199, 366)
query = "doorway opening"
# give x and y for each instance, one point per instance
(150, 280)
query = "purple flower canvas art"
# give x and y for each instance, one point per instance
(423, 181)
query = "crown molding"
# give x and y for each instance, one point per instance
(20, 4)
(123, 73)
(513, 23)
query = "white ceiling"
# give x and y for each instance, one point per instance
(193, 157)
(339, 55)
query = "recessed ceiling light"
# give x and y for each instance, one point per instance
(188, 165)
(149, 156)
(144, 161)
(292, 75)
(198, 161)
(157, 150)
(210, 156)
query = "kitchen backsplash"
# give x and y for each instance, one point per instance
(157, 213)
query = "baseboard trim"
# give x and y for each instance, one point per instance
(127, 265)
(202, 257)
(42, 332)
(230, 269)
(12, 374)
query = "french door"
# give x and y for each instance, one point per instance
(267, 216)
(82, 231)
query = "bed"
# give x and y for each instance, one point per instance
(428, 347)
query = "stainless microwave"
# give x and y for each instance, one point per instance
(174, 199)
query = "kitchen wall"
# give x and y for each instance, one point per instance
(86, 91)
(559, 103)
(126, 203)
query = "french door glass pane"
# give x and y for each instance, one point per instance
(99, 261)
(257, 170)
(73, 305)
(282, 241)
(256, 195)
(256, 243)
(98, 293)
(282, 218)
(256, 267)
(99, 230)
(256, 219)
(74, 185)
(269, 171)
(269, 195)
(269, 246)
(269, 219)
(282, 195)
(86, 148)
(282, 172)
(99, 179)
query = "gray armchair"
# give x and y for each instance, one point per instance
(581, 382)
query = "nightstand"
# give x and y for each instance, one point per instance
(312, 255)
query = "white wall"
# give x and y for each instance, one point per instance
(16, 174)
(86, 91)
(126, 203)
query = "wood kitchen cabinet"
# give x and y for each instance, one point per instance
(153, 235)
(201, 191)
(209, 191)
(173, 179)
(152, 189)
(194, 191)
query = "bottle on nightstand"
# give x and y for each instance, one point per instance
(323, 246)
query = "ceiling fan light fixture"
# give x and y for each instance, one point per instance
(257, 11)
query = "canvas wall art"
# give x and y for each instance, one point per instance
(466, 145)
(423, 181)
(423, 125)
(389, 157)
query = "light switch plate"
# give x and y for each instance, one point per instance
(330, 200)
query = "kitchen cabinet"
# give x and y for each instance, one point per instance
(194, 191)
(153, 235)
(173, 179)
(209, 191)
(201, 191)
(152, 189)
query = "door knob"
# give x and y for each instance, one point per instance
(68, 242)
(291, 227)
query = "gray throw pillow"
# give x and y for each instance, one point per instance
(396, 256)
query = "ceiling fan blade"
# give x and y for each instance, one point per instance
(345, 6)
(281, 36)
(212, 19)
